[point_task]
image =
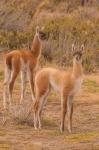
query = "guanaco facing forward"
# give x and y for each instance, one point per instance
(66, 83)
(24, 61)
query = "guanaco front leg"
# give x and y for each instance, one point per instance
(41, 105)
(63, 111)
(23, 84)
(70, 112)
(31, 82)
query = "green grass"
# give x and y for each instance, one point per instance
(5, 145)
(48, 132)
(1, 76)
(2, 132)
(82, 136)
(34, 146)
(48, 121)
(52, 96)
(21, 127)
(91, 86)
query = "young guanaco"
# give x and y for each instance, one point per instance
(24, 61)
(65, 83)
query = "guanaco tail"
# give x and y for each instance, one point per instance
(65, 83)
(24, 61)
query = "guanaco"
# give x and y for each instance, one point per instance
(24, 61)
(66, 83)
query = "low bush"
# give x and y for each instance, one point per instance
(77, 27)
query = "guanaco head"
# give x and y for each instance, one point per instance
(77, 54)
(41, 33)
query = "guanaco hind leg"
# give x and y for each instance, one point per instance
(38, 107)
(42, 103)
(7, 77)
(14, 74)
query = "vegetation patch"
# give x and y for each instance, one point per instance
(48, 121)
(2, 132)
(5, 145)
(1, 76)
(82, 136)
(54, 133)
(49, 132)
(51, 96)
(91, 86)
(34, 146)
(21, 127)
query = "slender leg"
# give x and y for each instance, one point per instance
(63, 112)
(6, 82)
(35, 114)
(11, 84)
(35, 120)
(42, 102)
(23, 85)
(71, 115)
(38, 107)
(7, 75)
(70, 112)
(5, 96)
(41, 105)
(30, 72)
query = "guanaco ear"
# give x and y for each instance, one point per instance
(37, 29)
(73, 47)
(82, 48)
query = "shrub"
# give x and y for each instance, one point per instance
(61, 33)
(22, 114)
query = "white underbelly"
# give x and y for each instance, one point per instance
(55, 87)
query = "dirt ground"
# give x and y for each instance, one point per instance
(85, 136)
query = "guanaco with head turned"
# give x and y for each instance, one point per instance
(66, 83)
(24, 61)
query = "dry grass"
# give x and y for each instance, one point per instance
(5, 145)
(21, 114)
(82, 136)
(91, 86)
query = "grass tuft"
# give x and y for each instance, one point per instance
(1, 75)
(5, 145)
(82, 136)
(48, 121)
(91, 86)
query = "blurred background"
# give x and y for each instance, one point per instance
(65, 22)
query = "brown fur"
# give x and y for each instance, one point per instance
(22, 60)
(66, 83)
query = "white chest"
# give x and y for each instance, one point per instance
(77, 86)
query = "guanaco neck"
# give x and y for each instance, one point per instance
(36, 46)
(77, 69)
